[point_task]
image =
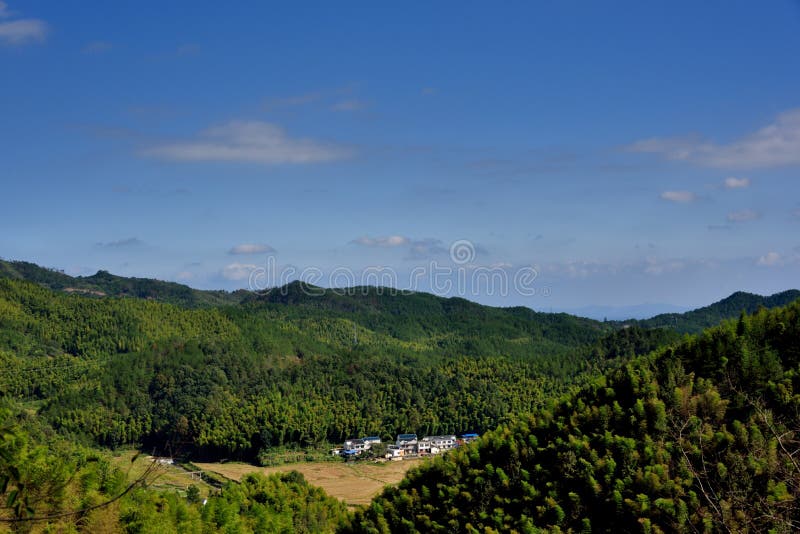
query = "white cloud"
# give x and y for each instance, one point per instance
(184, 275)
(238, 271)
(349, 105)
(679, 196)
(121, 243)
(251, 248)
(250, 142)
(679, 148)
(736, 183)
(581, 268)
(416, 248)
(423, 249)
(291, 101)
(743, 216)
(23, 31)
(384, 241)
(657, 267)
(774, 145)
(769, 259)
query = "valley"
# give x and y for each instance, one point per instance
(240, 403)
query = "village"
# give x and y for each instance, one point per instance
(405, 446)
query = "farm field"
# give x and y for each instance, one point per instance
(165, 477)
(353, 483)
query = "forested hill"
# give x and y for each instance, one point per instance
(399, 313)
(692, 437)
(104, 283)
(695, 321)
(236, 381)
(296, 365)
(410, 315)
(703, 436)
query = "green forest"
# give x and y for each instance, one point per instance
(699, 437)
(293, 366)
(587, 425)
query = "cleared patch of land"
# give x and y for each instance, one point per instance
(354, 483)
(165, 477)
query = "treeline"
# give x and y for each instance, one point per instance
(236, 381)
(283, 503)
(104, 283)
(695, 321)
(703, 436)
(294, 366)
(48, 484)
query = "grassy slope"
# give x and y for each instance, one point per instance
(698, 437)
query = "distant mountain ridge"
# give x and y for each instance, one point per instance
(372, 302)
(622, 313)
(104, 283)
(408, 315)
(695, 321)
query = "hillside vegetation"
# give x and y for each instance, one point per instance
(652, 432)
(49, 484)
(235, 381)
(695, 321)
(703, 436)
(104, 283)
(296, 365)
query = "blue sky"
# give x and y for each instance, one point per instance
(625, 153)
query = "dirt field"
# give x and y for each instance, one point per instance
(354, 483)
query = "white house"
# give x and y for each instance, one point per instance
(437, 444)
(407, 442)
(357, 445)
(424, 446)
(394, 452)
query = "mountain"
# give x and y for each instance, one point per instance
(591, 426)
(380, 306)
(696, 320)
(701, 436)
(410, 315)
(621, 313)
(296, 366)
(104, 284)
